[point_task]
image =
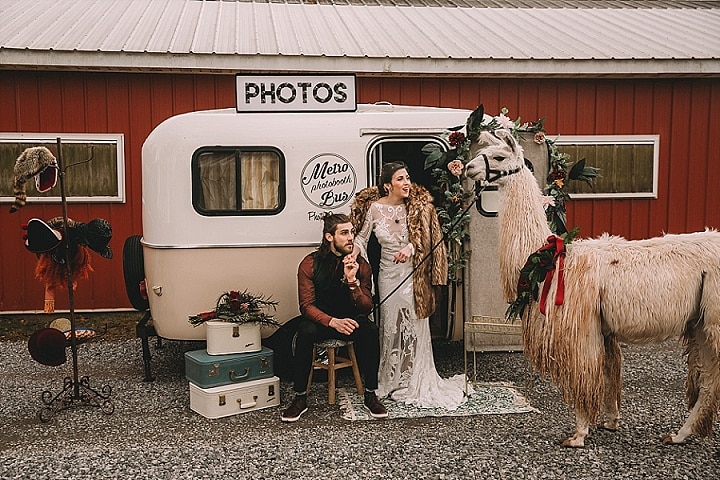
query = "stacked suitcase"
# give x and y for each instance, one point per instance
(237, 377)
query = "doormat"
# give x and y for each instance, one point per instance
(487, 399)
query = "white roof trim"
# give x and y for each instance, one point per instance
(195, 63)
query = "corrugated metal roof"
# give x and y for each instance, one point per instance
(462, 37)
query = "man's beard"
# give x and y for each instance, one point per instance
(342, 248)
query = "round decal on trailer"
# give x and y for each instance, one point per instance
(328, 181)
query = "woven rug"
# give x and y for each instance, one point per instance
(487, 399)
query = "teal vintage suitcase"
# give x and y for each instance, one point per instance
(207, 371)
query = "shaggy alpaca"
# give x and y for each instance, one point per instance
(616, 290)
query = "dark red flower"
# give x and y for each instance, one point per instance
(523, 284)
(546, 261)
(557, 175)
(456, 138)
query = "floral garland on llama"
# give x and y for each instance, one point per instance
(447, 168)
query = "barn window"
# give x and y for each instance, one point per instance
(628, 165)
(238, 181)
(94, 166)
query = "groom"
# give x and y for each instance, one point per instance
(335, 299)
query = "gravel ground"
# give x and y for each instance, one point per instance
(154, 434)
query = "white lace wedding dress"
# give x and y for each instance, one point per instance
(407, 368)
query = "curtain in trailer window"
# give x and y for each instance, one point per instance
(255, 173)
(217, 177)
(260, 173)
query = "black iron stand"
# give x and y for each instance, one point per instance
(76, 391)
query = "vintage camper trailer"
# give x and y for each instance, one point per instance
(233, 200)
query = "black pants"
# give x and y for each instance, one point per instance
(367, 350)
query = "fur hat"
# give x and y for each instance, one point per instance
(33, 161)
(47, 346)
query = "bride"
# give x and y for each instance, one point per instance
(403, 218)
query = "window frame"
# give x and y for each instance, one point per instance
(72, 138)
(650, 139)
(375, 162)
(196, 184)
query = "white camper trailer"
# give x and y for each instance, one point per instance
(233, 200)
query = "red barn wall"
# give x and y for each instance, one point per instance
(684, 112)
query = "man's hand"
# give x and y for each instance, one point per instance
(346, 326)
(350, 266)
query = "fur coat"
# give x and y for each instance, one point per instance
(424, 232)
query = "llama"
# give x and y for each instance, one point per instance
(615, 290)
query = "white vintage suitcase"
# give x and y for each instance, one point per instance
(228, 337)
(229, 400)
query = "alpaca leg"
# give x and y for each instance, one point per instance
(582, 427)
(612, 371)
(692, 382)
(704, 411)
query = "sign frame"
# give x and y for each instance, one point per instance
(295, 93)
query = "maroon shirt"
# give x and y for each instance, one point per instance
(360, 298)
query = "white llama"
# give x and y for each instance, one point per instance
(615, 290)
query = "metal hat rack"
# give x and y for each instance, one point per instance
(76, 390)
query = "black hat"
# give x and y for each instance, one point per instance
(47, 346)
(41, 237)
(96, 234)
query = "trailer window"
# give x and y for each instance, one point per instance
(235, 181)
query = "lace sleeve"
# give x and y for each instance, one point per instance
(363, 236)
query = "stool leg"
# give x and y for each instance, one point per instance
(355, 369)
(312, 369)
(331, 375)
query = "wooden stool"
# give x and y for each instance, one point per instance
(335, 363)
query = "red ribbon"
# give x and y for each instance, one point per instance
(558, 247)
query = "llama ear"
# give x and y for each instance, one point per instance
(507, 137)
(474, 121)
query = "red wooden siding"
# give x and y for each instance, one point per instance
(684, 112)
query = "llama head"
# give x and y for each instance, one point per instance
(496, 155)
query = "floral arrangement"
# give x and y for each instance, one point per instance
(447, 167)
(239, 307)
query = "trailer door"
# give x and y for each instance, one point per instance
(409, 150)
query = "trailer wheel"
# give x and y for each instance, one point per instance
(134, 273)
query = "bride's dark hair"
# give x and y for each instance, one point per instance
(386, 174)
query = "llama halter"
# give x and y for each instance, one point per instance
(496, 174)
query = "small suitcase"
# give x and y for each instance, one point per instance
(208, 371)
(228, 337)
(229, 400)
